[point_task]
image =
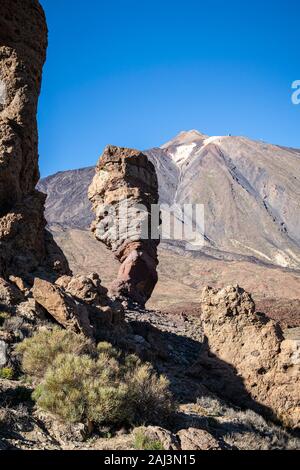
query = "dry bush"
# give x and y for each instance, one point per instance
(102, 387)
(41, 349)
(149, 396)
(63, 389)
(244, 429)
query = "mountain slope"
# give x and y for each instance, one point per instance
(250, 191)
(67, 202)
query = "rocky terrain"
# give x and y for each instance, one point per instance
(83, 366)
(205, 420)
(182, 276)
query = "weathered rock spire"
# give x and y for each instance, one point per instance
(25, 246)
(123, 192)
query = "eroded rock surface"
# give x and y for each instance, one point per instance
(158, 435)
(246, 358)
(104, 313)
(197, 439)
(23, 43)
(122, 192)
(63, 308)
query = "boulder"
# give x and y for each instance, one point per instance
(20, 284)
(122, 193)
(30, 310)
(197, 439)
(9, 294)
(85, 288)
(62, 307)
(89, 291)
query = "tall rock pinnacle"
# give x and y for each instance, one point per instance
(123, 192)
(24, 244)
(23, 44)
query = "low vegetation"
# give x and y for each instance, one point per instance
(242, 429)
(81, 383)
(3, 317)
(39, 351)
(143, 442)
(6, 373)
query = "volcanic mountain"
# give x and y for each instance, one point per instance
(250, 192)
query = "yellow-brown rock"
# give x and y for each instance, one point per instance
(246, 357)
(126, 183)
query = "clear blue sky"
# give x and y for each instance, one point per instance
(135, 73)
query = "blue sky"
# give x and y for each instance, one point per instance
(135, 73)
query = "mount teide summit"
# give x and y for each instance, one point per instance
(250, 191)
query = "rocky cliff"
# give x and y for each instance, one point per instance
(24, 244)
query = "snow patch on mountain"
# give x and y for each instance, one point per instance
(213, 139)
(182, 153)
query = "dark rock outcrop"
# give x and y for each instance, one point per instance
(122, 193)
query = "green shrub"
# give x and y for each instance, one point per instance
(143, 442)
(63, 389)
(3, 317)
(41, 349)
(106, 348)
(6, 373)
(101, 388)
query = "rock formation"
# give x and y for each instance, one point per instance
(63, 308)
(104, 313)
(246, 358)
(23, 42)
(79, 303)
(122, 192)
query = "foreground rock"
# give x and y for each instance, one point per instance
(246, 358)
(63, 308)
(23, 43)
(9, 294)
(104, 313)
(197, 439)
(122, 192)
(80, 304)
